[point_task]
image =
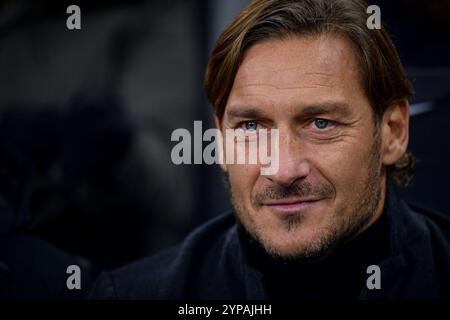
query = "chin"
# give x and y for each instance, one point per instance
(298, 245)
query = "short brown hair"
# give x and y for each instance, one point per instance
(382, 74)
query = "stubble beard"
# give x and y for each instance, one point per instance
(344, 224)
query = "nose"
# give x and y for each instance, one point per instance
(293, 163)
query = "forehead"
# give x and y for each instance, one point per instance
(298, 69)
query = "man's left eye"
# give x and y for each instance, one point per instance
(321, 123)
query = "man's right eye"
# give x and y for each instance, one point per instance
(250, 125)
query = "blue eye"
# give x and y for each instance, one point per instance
(321, 123)
(250, 125)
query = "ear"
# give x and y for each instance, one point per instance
(395, 132)
(220, 144)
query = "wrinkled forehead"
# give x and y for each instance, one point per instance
(297, 69)
(284, 61)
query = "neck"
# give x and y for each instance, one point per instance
(379, 209)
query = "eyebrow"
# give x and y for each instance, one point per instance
(341, 109)
(337, 108)
(245, 112)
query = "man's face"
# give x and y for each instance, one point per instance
(329, 185)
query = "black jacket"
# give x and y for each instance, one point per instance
(213, 263)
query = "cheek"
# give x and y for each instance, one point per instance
(242, 180)
(344, 165)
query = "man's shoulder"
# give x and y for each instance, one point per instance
(437, 223)
(429, 248)
(162, 275)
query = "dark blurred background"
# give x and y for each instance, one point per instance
(86, 118)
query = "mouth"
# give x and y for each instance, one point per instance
(290, 206)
